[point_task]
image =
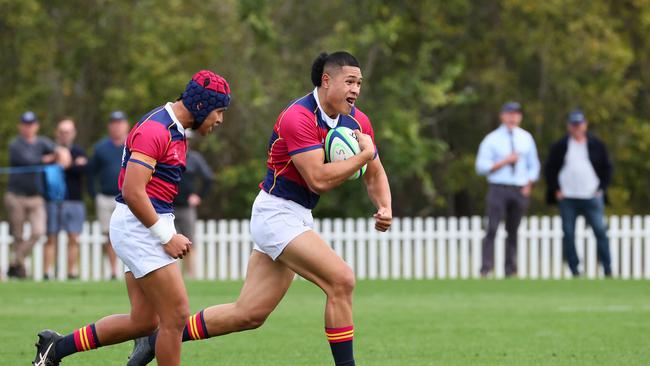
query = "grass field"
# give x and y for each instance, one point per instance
(508, 322)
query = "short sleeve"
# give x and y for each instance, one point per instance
(151, 138)
(299, 131)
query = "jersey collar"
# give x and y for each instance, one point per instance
(331, 122)
(179, 126)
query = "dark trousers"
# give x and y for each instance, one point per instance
(594, 211)
(503, 201)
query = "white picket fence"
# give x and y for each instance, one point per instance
(414, 248)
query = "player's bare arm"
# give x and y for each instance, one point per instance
(322, 177)
(378, 188)
(138, 173)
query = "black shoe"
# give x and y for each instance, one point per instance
(11, 272)
(45, 350)
(17, 271)
(142, 352)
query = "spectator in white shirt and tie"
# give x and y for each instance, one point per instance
(508, 157)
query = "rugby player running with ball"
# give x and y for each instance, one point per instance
(142, 228)
(281, 221)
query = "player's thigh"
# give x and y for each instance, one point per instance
(165, 290)
(266, 284)
(141, 308)
(310, 256)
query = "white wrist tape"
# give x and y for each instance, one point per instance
(162, 231)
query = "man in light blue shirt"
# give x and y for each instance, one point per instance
(508, 157)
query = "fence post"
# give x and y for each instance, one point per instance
(396, 248)
(545, 241)
(96, 244)
(429, 237)
(418, 242)
(326, 230)
(348, 243)
(590, 260)
(441, 252)
(373, 255)
(524, 233)
(625, 247)
(61, 256)
(407, 245)
(198, 246)
(464, 235)
(84, 252)
(533, 242)
(453, 235)
(233, 252)
(5, 241)
(614, 236)
(361, 234)
(499, 251)
(646, 246)
(477, 250)
(556, 232)
(245, 247)
(223, 236)
(637, 241)
(384, 260)
(337, 236)
(211, 241)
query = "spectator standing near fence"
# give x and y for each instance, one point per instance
(104, 168)
(24, 198)
(508, 157)
(190, 196)
(69, 214)
(578, 171)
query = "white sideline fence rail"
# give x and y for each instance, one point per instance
(414, 248)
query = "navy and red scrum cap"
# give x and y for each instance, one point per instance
(206, 92)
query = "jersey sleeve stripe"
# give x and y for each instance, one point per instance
(308, 148)
(141, 163)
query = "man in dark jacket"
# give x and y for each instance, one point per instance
(104, 169)
(578, 171)
(195, 185)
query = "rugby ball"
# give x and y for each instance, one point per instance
(341, 144)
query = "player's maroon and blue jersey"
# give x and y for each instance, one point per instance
(301, 128)
(160, 136)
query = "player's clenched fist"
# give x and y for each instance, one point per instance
(178, 246)
(383, 219)
(365, 144)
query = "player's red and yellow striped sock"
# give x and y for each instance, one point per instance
(82, 339)
(195, 328)
(340, 340)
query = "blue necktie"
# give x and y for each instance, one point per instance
(512, 146)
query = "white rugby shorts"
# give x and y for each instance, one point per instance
(276, 221)
(134, 244)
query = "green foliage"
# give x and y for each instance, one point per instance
(435, 74)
